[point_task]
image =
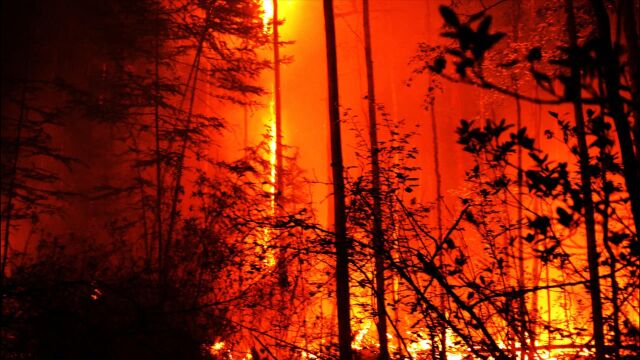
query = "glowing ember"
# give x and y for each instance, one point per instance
(216, 348)
(96, 294)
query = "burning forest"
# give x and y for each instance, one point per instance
(318, 179)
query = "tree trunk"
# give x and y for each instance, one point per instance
(283, 276)
(179, 168)
(439, 199)
(8, 211)
(585, 177)
(378, 233)
(341, 243)
(277, 106)
(522, 305)
(630, 23)
(617, 340)
(611, 65)
(156, 114)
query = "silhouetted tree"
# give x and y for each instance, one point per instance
(378, 234)
(341, 242)
(594, 79)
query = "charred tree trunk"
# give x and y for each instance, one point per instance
(630, 22)
(605, 213)
(6, 214)
(341, 243)
(617, 340)
(439, 200)
(585, 177)
(179, 170)
(277, 106)
(8, 211)
(156, 115)
(283, 277)
(378, 233)
(610, 64)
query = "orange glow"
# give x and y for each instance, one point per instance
(267, 15)
(273, 143)
(557, 310)
(305, 133)
(267, 18)
(270, 260)
(270, 122)
(217, 348)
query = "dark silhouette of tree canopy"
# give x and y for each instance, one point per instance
(129, 229)
(589, 76)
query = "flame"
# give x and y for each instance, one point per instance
(306, 355)
(273, 144)
(267, 13)
(216, 348)
(267, 17)
(358, 340)
(364, 337)
(270, 261)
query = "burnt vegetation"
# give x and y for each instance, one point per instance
(124, 235)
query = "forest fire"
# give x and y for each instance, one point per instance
(290, 179)
(269, 23)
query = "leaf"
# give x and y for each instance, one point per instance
(529, 238)
(428, 266)
(460, 260)
(541, 78)
(535, 54)
(564, 217)
(449, 243)
(524, 141)
(541, 224)
(494, 38)
(539, 160)
(483, 28)
(548, 134)
(438, 65)
(470, 218)
(449, 16)
(618, 238)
